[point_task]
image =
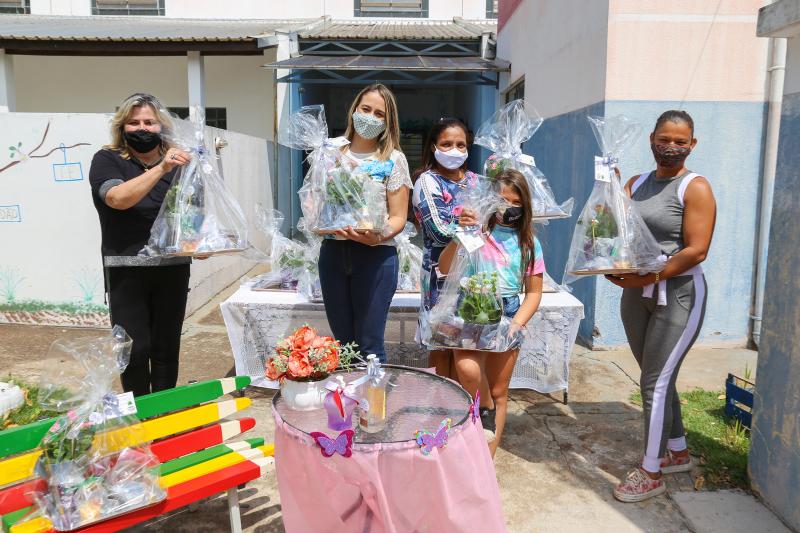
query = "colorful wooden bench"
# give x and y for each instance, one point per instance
(189, 434)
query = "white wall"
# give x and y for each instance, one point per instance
(447, 9)
(566, 70)
(49, 228)
(265, 9)
(75, 84)
(61, 7)
(245, 168)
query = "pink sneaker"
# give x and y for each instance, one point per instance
(672, 464)
(638, 486)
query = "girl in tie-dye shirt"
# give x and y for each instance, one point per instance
(516, 255)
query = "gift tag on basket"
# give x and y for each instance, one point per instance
(603, 169)
(471, 241)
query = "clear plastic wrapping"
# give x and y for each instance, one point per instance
(410, 257)
(95, 459)
(293, 264)
(610, 235)
(336, 193)
(199, 216)
(469, 312)
(504, 133)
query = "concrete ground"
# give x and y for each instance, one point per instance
(556, 466)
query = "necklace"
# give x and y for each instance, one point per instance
(144, 165)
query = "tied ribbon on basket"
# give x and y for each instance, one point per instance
(340, 402)
(475, 409)
(604, 167)
(335, 142)
(343, 444)
(647, 290)
(428, 441)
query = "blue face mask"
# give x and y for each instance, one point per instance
(368, 126)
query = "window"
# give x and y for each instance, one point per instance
(391, 8)
(128, 7)
(216, 117)
(516, 91)
(491, 9)
(18, 7)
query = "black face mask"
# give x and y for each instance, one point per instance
(511, 216)
(670, 156)
(142, 140)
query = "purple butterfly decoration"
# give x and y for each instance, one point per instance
(428, 441)
(475, 410)
(342, 444)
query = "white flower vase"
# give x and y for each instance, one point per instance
(303, 395)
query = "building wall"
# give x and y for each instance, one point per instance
(59, 84)
(562, 58)
(261, 9)
(622, 57)
(73, 8)
(49, 227)
(774, 457)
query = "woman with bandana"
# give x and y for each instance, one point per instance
(358, 271)
(146, 295)
(663, 312)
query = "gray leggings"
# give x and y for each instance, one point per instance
(660, 337)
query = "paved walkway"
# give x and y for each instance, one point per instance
(557, 464)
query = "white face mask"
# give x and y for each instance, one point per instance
(368, 126)
(452, 159)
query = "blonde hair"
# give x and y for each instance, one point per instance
(123, 114)
(389, 139)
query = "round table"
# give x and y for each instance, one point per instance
(388, 483)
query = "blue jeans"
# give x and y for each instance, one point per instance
(358, 283)
(510, 305)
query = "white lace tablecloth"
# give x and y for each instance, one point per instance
(257, 320)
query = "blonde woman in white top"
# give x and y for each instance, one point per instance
(358, 271)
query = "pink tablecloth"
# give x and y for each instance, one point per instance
(388, 487)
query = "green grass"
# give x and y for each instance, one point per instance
(33, 306)
(721, 443)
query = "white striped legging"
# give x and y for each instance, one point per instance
(660, 337)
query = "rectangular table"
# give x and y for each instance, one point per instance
(257, 320)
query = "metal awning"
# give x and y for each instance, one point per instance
(396, 70)
(402, 63)
(140, 35)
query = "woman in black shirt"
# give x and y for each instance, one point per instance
(146, 295)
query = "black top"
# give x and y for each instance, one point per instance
(124, 232)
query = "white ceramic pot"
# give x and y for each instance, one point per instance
(303, 395)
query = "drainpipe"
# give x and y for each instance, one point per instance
(776, 70)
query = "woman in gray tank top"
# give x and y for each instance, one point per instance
(663, 312)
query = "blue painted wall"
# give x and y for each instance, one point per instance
(729, 153)
(775, 448)
(564, 148)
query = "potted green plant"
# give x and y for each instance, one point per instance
(481, 308)
(495, 164)
(350, 200)
(601, 246)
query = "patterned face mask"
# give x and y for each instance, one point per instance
(668, 155)
(368, 126)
